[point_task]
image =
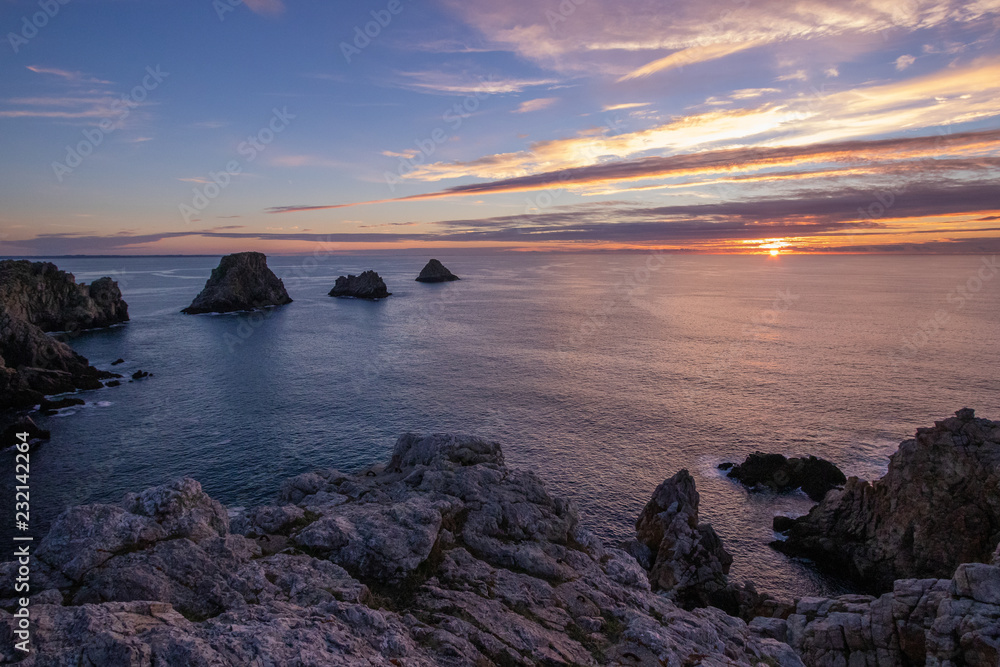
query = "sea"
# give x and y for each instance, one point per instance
(604, 373)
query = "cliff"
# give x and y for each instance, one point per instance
(242, 281)
(938, 506)
(41, 294)
(35, 298)
(443, 556)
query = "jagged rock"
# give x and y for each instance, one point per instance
(435, 272)
(688, 560)
(938, 622)
(51, 407)
(242, 281)
(776, 473)
(442, 557)
(117, 361)
(140, 374)
(41, 294)
(369, 285)
(937, 507)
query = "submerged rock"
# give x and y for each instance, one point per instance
(369, 285)
(242, 281)
(815, 476)
(435, 272)
(445, 556)
(937, 507)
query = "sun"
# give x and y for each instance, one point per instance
(775, 252)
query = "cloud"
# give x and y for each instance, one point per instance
(946, 97)
(626, 38)
(462, 83)
(626, 105)
(797, 75)
(722, 161)
(75, 77)
(904, 61)
(688, 56)
(266, 7)
(535, 105)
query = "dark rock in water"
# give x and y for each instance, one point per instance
(113, 383)
(242, 281)
(24, 424)
(774, 472)
(937, 507)
(443, 557)
(41, 294)
(686, 558)
(117, 361)
(435, 272)
(139, 374)
(782, 523)
(48, 407)
(369, 285)
(726, 466)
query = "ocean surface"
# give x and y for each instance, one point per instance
(604, 373)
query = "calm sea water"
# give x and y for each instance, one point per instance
(603, 373)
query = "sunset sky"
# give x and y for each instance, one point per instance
(201, 126)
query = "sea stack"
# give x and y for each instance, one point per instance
(369, 285)
(242, 281)
(436, 272)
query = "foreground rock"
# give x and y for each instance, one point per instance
(42, 295)
(36, 298)
(775, 473)
(937, 507)
(686, 559)
(435, 272)
(921, 622)
(369, 285)
(445, 556)
(242, 281)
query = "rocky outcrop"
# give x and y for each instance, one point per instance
(935, 622)
(435, 272)
(444, 556)
(685, 559)
(242, 281)
(35, 298)
(937, 507)
(774, 472)
(369, 285)
(42, 295)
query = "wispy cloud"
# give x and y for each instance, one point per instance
(904, 61)
(688, 56)
(626, 105)
(535, 105)
(462, 83)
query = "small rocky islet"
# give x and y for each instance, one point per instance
(367, 285)
(241, 282)
(775, 473)
(435, 272)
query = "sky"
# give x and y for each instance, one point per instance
(723, 126)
